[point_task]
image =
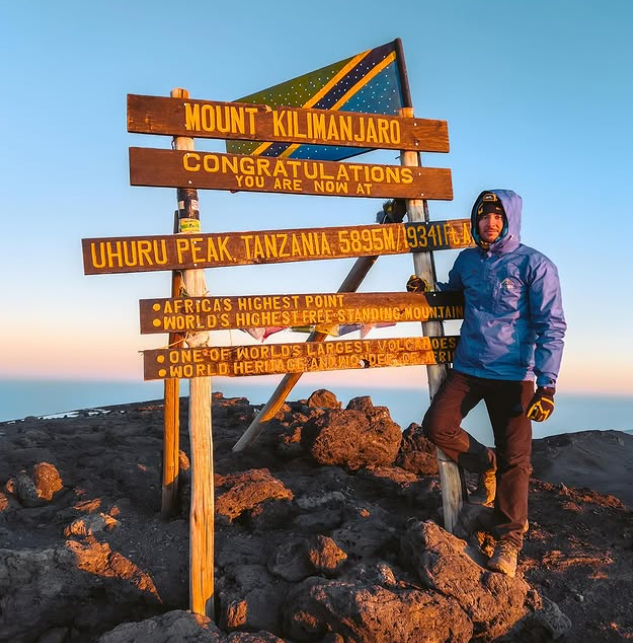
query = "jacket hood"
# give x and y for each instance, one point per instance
(510, 238)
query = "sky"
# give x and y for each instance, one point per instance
(538, 99)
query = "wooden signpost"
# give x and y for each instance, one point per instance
(244, 121)
(191, 313)
(202, 506)
(171, 417)
(302, 357)
(212, 250)
(217, 171)
(259, 311)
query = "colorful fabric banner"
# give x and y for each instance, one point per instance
(368, 82)
(333, 330)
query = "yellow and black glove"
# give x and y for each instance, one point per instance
(542, 404)
(417, 284)
(393, 211)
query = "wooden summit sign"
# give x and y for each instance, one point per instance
(243, 121)
(243, 172)
(282, 131)
(194, 314)
(211, 250)
(304, 357)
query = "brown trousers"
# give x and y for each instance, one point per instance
(506, 402)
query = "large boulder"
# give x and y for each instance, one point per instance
(417, 453)
(353, 438)
(297, 558)
(323, 399)
(365, 612)
(247, 490)
(492, 601)
(38, 488)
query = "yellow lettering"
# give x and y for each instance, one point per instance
(295, 123)
(145, 251)
(307, 241)
(196, 251)
(383, 130)
(345, 128)
(211, 163)
(278, 126)
(296, 248)
(406, 175)
(251, 111)
(394, 129)
(325, 246)
(331, 187)
(372, 136)
(192, 116)
(280, 169)
(229, 164)
(318, 125)
(208, 118)
(311, 171)
(182, 247)
(191, 162)
(263, 166)
(237, 120)
(212, 254)
(101, 261)
(247, 244)
(332, 131)
(393, 174)
(222, 119)
(258, 249)
(270, 247)
(224, 252)
(342, 174)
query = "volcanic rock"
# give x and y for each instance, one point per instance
(322, 534)
(358, 436)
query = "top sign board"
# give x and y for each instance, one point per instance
(243, 121)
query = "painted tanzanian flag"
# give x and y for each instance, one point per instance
(368, 82)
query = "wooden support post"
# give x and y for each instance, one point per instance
(171, 441)
(201, 515)
(424, 266)
(351, 283)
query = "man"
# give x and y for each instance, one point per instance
(512, 333)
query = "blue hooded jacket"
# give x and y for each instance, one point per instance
(513, 324)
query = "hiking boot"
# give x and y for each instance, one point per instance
(486, 489)
(504, 560)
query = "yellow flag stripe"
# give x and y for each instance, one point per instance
(341, 101)
(319, 95)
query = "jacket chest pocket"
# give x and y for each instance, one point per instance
(510, 295)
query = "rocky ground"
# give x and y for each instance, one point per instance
(327, 530)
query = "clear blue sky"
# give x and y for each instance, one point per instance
(537, 95)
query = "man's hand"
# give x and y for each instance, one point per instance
(417, 284)
(393, 211)
(542, 404)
